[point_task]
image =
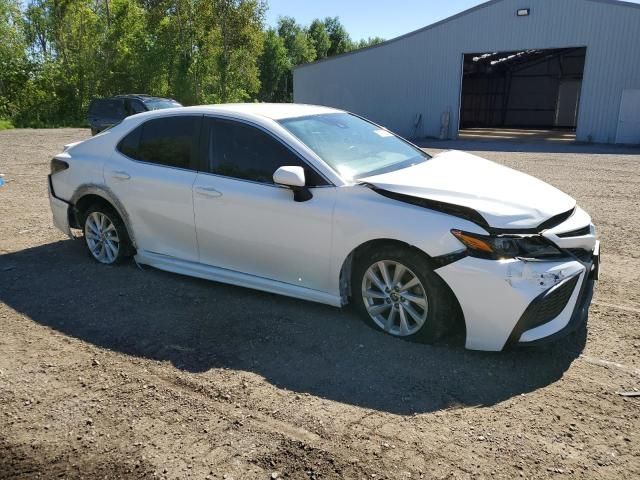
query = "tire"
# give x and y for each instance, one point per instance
(103, 230)
(94, 132)
(429, 300)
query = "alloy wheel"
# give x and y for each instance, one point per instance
(102, 237)
(395, 298)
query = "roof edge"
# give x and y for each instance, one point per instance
(619, 3)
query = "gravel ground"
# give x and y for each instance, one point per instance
(135, 373)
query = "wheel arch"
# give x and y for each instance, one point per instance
(362, 249)
(459, 325)
(89, 194)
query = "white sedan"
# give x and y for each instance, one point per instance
(323, 205)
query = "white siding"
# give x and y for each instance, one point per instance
(420, 73)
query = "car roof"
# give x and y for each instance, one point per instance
(263, 115)
(273, 111)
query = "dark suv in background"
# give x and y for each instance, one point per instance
(106, 112)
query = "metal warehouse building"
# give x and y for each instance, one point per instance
(505, 64)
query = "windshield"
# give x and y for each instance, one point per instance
(352, 146)
(161, 103)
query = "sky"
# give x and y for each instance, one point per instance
(372, 18)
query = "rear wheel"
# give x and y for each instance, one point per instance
(397, 292)
(105, 235)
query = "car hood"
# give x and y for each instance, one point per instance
(505, 198)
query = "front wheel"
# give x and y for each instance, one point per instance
(397, 292)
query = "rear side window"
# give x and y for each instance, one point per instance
(111, 108)
(170, 141)
(241, 151)
(129, 144)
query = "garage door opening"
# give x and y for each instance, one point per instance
(522, 95)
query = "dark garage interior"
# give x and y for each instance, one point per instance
(526, 89)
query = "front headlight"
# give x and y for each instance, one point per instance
(508, 246)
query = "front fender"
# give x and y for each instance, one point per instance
(361, 216)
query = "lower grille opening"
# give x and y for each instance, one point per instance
(549, 305)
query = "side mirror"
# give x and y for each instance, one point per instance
(293, 177)
(290, 176)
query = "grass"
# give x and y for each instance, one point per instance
(5, 124)
(8, 124)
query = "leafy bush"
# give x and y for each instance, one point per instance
(5, 124)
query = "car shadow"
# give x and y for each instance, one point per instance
(301, 346)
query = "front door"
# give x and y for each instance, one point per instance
(248, 224)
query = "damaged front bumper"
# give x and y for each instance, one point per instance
(526, 336)
(517, 301)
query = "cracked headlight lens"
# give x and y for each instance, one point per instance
(508, 246)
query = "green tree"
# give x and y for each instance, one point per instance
(274, 66)
(14, 65)
(240, 24)
(67, 68)
(128, 62)
(319, 38)
(340, 39)
(299, 47)
(369, 42)
(56, 55)
(299, 50)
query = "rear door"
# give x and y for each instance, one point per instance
(248, 224)
(152, 173)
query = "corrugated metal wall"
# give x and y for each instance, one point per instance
(420, 73)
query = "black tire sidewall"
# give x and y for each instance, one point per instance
(438, 296)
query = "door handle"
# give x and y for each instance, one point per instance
(208, 192)
(120, 175)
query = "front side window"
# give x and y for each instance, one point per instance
(169, 141)
(352, 146)
(241, 151)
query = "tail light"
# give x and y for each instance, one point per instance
(58, 165)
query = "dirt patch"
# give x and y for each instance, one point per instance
(36, 461)
(130, 372)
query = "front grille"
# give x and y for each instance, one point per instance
(549, 305)
(580, 232)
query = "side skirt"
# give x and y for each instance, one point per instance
(207, 272)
